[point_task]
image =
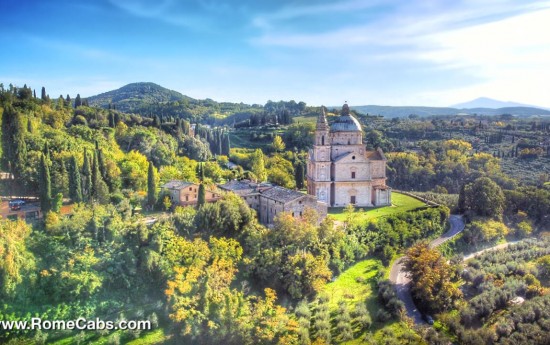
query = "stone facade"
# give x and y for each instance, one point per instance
(269, 200)
(186, 193)
(340, 170)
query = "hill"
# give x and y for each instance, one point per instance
(485, 102)
(135, 95)
(149, 99)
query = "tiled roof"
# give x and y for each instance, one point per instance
(243, 187)
(282, 194)
(175, 184)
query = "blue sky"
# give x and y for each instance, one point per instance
(433, 53)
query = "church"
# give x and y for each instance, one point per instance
(340, 170)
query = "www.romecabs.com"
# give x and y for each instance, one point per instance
(37, 323)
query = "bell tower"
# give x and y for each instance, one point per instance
(319, 163)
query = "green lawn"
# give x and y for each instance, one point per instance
(400, 203)
(354, 284)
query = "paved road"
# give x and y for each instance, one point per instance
(402, 283)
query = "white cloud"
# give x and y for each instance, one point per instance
(511, 55)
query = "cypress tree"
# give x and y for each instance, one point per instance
(75, 187)
(20, 155)
(201, 171)
(87, 177)
(62, 179)
(60, 102)
(201, 198)
(45, 185)
(299, 175)
(111, 120)
(77, 101)
(68, 101)
(47, 150)
(101, 161)
(151, 186)
(96, 174)
(43, 96)
(100, 191)
(226, 144)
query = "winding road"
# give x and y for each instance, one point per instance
(398, 275)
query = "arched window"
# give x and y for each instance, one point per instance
(323, 140)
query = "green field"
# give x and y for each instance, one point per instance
(400, 203)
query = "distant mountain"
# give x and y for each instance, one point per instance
(134, 96)
(485, 102)
(405, 111)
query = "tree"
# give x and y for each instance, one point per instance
(226, 145)
(432, 277)
(45, 185)
(75, 183)
(43, 96)
(96, 174)
(299, 174)
(483, 197)
(258, 165)
(278, 144)
(151, 185)
(167, 203)
(15, 258)
(87, 177)
(77, 101)
(201, 198)
(100, 191)
(57, 202)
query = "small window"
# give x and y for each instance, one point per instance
(300, 214)
(352, 199)
(353, 174)
(191, 188)
(292, 214)
(187, 198)
(352, 157)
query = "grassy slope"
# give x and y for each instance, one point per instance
(400, 203)
(358, 283)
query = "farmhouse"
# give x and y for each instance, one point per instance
(186, 193)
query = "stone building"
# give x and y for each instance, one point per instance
(269, 200)
(340, 170)
(186, 193)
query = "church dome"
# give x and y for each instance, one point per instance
(345, 122)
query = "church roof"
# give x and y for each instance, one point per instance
(345, 122)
